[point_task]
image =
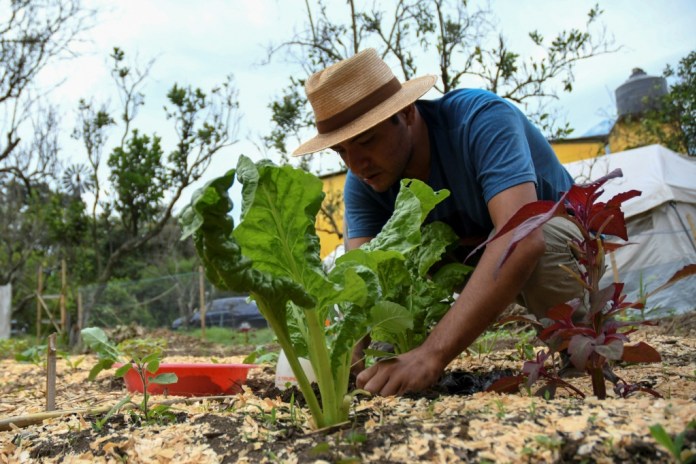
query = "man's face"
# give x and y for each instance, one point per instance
(379, 156)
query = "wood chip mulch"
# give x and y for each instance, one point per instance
(259, 426)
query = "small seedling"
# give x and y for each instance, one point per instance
(98, 424)
(144, 356)
(674, 446)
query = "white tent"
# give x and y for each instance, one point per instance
(660, 222)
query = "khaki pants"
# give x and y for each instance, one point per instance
(550, 285)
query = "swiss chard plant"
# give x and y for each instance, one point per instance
(586, 330)
(273, 254)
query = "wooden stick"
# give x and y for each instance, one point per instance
(9, 423)
(51, 373)
(39, 286)
(41, 299)
(201, 299)
(614, 267)
(63, 291)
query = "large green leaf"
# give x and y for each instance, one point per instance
(97, 340)
(402, 232)
(277, 230)
(436, 237)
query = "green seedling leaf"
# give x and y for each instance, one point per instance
(99, 424)
(123, 370)
(320, 448)
(662, 437)
(101, 365)
(152, 366)
(165, 379)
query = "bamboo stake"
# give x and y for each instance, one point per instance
(48, 311)
(201, 299)
(8, 423)
(51, 373)
(63, 290)
(39, 286)
(614, 267)
(80, 311)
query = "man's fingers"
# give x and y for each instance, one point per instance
(377, 379)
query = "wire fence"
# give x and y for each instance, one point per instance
(151, 303)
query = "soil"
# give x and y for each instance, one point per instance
(455, 421)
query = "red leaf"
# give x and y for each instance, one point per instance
(686, 271)
(641, 352)
(507, 384)
(580, 349)
(610, 220)
(581, 197)
(612, 350)
(561, 312)
(524, 214)
(619, 198)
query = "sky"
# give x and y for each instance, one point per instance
(200, 43)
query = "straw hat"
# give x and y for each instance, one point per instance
(354, 95)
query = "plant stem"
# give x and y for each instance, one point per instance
(321, 362)
(598, 385)
(281, 332)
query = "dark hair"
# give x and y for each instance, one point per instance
(394, 119)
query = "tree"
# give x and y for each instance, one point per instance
(33, 33)
(145, 182)
(457, 39)
(673, 121)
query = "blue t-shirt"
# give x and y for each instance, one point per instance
(480, 145)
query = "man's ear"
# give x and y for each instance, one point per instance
(409, 113)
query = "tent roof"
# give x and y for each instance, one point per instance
(659, 173)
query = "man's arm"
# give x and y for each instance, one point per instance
(353, 243)
(482, 300)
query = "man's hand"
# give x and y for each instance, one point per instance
(410, 372)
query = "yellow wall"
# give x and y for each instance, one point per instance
(629, 133)
(327, 231)
(569, 150)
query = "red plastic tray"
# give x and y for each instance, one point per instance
(194, 379)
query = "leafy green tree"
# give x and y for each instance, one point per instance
(145, 181)
(33, 33)
(673, 122)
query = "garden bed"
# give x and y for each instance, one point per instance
(264, 424)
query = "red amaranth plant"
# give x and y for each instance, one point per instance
(585, 329)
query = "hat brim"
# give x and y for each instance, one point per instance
(410, 92)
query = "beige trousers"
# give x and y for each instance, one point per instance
(550, 285)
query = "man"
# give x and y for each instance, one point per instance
(470, 142)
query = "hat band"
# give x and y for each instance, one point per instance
(359, 108)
